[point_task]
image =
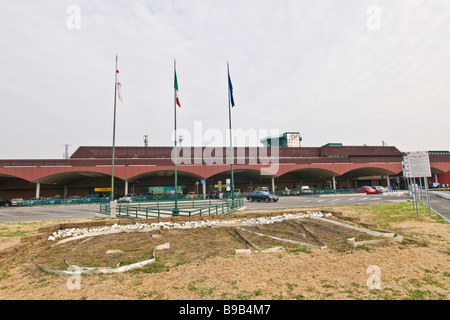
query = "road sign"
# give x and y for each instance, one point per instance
(202, 181)
(417, 164)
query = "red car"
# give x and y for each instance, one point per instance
(367, 189)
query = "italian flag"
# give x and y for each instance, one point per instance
(176, 90)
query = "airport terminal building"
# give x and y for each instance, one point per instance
(150, 170)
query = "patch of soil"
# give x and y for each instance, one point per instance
(188, 245)
(8, 242)
(202, 264)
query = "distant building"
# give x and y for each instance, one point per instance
(333, 144)
(287, 139)
(150, 170)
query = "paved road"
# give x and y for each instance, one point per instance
(441, 206)
(14, 214)
(323, 201)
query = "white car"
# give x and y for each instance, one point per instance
(126, 198)
(379, 189)
(17, 201)
(433, 185)
(306, 190)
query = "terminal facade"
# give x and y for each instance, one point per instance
(150, 170)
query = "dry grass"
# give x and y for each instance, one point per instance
(201, 264)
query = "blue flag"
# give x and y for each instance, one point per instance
(230, 87)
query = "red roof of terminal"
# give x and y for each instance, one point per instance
(102, 152)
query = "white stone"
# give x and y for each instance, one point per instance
(188, 224)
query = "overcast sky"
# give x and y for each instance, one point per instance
(355, 72)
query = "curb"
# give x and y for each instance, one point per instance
(440, 194)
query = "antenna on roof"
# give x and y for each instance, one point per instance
(146, 140)
(66, 151)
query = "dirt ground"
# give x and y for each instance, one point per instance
(201, 264)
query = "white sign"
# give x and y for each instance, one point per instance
(228, 185)
(405, 166)
(417, 164)
(293, 140)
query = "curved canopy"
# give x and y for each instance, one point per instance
(7, 177)
(367, 172)
(311, 173)
(70, 177)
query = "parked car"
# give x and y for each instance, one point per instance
(379, 189)
(35, 201)
(17, 201)
(126, 198)
(56, 200)
(261, 196)
(147, 196)
(306, 190)
(75, 199)
(294, 192)
(245, 193)
(92, 198)
(191, 195)
(367, 189)
(212, 195)
(5, 203)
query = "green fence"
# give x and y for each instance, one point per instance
(41, 202)
(77, 200)
(163, 209)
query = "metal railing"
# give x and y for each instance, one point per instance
(40, 202)
(161, 209)
(167, 198)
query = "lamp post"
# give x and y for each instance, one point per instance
(146, 140)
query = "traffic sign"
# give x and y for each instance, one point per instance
(417, 164)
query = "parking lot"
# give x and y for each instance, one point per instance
(17, 214)
(325, 201)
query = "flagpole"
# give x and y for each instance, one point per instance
(175, 211)
(112, 212)
(231, 137)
